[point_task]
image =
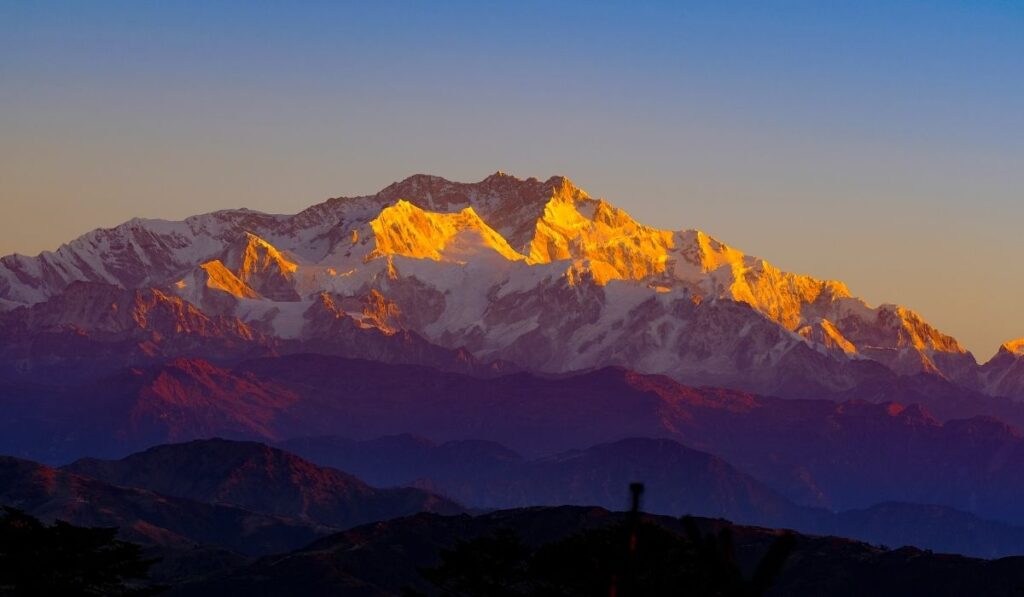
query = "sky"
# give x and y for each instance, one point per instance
(878, 143)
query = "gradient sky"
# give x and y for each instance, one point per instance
(879, 143)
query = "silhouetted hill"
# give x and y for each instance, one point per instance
(679, 481)
(488, 475)
(362, 561)
(262, 479)
(145, 516)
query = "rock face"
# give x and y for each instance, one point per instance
(533, 272)
(92, 328)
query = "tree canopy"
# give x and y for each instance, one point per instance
(62, 559)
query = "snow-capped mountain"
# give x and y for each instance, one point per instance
(1004, 374)
(533, 272)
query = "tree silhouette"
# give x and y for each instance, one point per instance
(67, 560)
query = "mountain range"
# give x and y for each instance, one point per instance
(240, 384)
(209, 505)
(229, 501)
(678, 480)
(522, 273)
(821, 453)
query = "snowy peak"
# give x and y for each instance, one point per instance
(901, 340)
(406, 230)
(254, 256)
(707, 253)
(135, 254)
(914, 331)
(605, 241)
(1013, 347)
(509, 205)
(615, 246)
(250, 268)
(792, 300)
(262, 267)
(1003, 375)
(497, 193)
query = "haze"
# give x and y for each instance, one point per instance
(875, 143)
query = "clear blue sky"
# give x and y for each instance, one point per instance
(881, 143)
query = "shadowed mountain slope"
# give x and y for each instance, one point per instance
(261, 479)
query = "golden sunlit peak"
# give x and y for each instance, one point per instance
(258, 256)
(712, 254)
(922, 335)
(564, 189)
(221, 278)
(838, 289)
(409, 231)
(1015, 347)
(611, 216)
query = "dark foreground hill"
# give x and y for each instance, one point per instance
(387, 558)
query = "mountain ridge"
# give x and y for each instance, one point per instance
(259, 478)
(485, 267)
(816, 452)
